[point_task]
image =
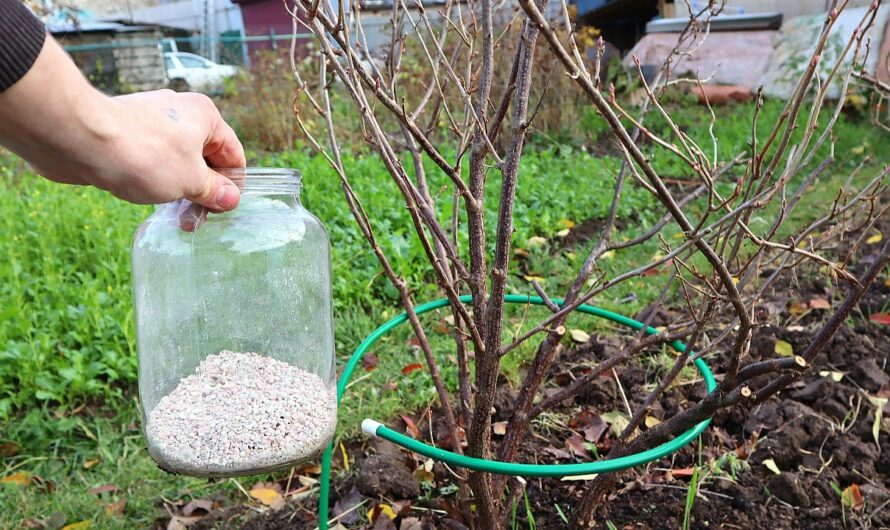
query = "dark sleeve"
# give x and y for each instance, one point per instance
(21, 38)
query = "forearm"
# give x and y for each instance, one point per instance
(52, 113)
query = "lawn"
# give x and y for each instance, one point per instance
(68, 409)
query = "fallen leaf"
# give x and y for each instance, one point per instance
(784, 348)
(105, 488)
(499, 428)
(533, 278)
(345, 456)
(879, 403)
(685, 472)
(389, 386)
(595, 430)
(771, 465)
(575, 445)
(90, 463)
(563, 233)
(536, 241)
(820, 303)
(21, 478)
(874, 240)
(346, 507)
(558, 453)
(521, 252)
(797, 309)
(412, 427)
(10, 448)
(381, 509)
(618, 421)
(835, 376)
(651, 421)
(880, 318)
(411, 368)
(268, 496)
(80, 525)
(852, 497)
(204, 505)
(568, 223)
(182, 523)
(370, 361)
(591, 476)
(580, 336)
(887, 283)
(425, 475)
(115, 508)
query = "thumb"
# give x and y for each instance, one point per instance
(217, 193)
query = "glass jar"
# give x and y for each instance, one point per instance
(234, 331)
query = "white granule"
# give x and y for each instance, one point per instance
(241, 413)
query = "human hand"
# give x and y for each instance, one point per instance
(148, 147)
(166, 151)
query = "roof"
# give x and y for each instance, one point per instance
(93, 26)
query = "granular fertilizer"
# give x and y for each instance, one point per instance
(240, 413)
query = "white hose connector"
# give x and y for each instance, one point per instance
(369, 427)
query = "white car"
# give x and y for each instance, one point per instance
(190, 72)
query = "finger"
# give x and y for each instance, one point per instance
(222, 147)
(216, 192)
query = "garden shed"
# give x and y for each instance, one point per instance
(115, 57)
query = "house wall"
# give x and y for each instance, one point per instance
(264, 18)
(139, 64)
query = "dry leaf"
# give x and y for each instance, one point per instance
(874, 240)
(411, 426)
(563, 233)
(651, 421)
(536, 241)
(852, 497)
(80, 525)
(796, 309)
(411, 368)
(499, 428)
(591, 476)
(820, 303)
(784, 348)
(835, 376)
(618, 421)
(558, 453)
(879, 403)
(22, 478)
(370, 361)
(8, 449)
(880, 318)
(685, 472)
(205, 505)
(575, 445)
(115, 508)
(268, 496)
(771, 465)
(580, 336)
(533, 278)
(105, 488)
(182, 523)
(381, 509)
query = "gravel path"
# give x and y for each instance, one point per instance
(241, 413)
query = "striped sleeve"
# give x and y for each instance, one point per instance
(21, 38)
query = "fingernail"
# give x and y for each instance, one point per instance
(228, 196)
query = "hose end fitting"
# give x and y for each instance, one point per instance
(369, 427)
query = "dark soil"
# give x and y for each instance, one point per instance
(818, 434)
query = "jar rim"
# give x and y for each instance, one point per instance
(263, 180)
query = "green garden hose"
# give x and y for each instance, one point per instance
(375, 428)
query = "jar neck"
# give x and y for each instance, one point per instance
(265, 181)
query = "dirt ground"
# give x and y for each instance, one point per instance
(807, 459)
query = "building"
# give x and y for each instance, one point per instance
(216, 26)
(115, 57)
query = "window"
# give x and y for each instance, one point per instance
(191, 62)
(168, 63)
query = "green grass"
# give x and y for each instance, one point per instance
(67, 353)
